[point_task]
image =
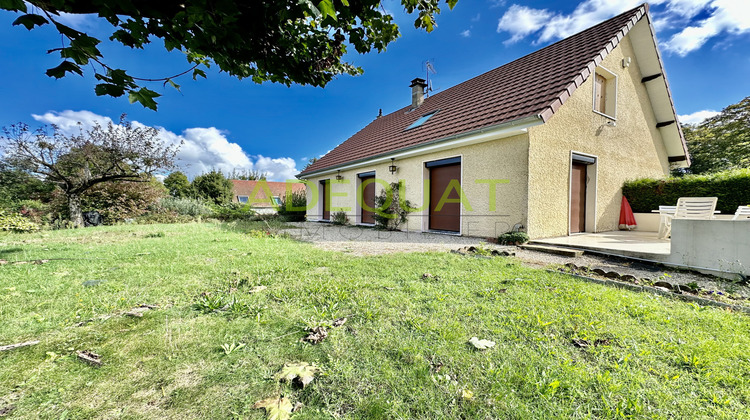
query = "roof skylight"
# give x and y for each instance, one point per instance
(421, 120)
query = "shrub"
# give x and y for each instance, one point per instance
(163, 217)
(513, 238)
(117, 201)
(15, 222)
(34, 210)
(295, 200)
(233, 211)
(732, 188)
(339, 218)
(186, 206)
(389, 213)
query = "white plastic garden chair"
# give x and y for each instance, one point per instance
(665, 211)
(695, 208)
(742, 213)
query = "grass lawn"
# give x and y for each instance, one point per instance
(402, 354)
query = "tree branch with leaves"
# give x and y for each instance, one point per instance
(280, 41)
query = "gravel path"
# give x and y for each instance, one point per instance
(368, 241)
(363, 241)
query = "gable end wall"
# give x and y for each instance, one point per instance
(632, 149)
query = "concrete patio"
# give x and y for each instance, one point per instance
(634, 244)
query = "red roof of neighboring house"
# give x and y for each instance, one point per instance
(253, 191)
(534, 85)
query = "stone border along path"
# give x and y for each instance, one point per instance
(364, 241)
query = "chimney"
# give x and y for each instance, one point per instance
(417, 92)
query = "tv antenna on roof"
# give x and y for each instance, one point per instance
(429, 68)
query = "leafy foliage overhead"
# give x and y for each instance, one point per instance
(281, 41)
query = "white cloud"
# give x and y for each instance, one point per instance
(730, 16)
(72, 122)
(466, 33)
(476, 18)
(725, 16)
(278, 169)
(696, 117)
(78, 21)
(202, 150)
(521, 21)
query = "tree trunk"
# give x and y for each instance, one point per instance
(74, 207)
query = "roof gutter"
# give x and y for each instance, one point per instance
(494, 132)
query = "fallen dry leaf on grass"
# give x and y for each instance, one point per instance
(339, 322)
(316, 335)
(278, 408)
(481, 344)
(301, 373)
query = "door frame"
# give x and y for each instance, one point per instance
(425, 196)
(357, 204)
(592, 170)
(322, 199)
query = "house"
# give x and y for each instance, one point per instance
(263, 196)
(542, 143)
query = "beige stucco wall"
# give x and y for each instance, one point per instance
(505, 158)
(632, 149)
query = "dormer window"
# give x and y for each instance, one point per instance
(605, 92)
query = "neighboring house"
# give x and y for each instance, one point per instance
(543, 143)
(263, 196)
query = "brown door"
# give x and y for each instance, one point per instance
(368, 199)
(326, 188)
(448, 217)
(578, 199)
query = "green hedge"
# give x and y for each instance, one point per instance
(732, 188)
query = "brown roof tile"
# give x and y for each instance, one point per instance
(536, 84)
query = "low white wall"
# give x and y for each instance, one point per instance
(648, 222)
(721, 245)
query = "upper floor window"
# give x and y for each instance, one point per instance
(605, 92)
(242, 199)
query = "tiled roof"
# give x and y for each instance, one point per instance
(536, 84)
(278, 189)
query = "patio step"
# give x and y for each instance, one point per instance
(567, 252)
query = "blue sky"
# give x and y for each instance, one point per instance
(227, 123)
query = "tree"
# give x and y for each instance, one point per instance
(310, 162)
(213, 186)
(77, 162)
(281, 41)
(721, 142)
(18, 185)
(248, 175)
(177, 185)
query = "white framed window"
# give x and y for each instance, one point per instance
(277, 200)
(605, 93)
(242, 199)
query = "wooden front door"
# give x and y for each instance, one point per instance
(448, 217)
(578, 198)
(325, 187)
(368, 199)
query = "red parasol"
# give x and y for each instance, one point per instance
(627, 219)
